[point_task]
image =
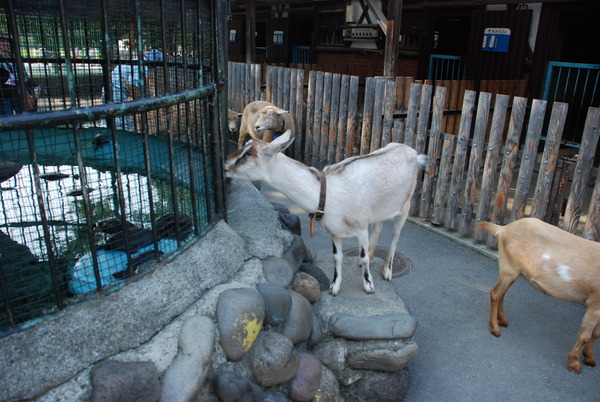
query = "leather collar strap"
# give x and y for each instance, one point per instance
(318, 215)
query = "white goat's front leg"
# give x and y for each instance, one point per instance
(386, 272)
(338, 256)
(363, 261)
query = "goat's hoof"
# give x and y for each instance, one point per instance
(495, 332)
(575, 367)
(333, 291)
(589, 361)
(386, 274)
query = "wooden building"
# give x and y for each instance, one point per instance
(550, 43)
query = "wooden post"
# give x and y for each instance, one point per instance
(541, 196)
(528, 159)
(250, 31)
(583, 169)
(392, 41)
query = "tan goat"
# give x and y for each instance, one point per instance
(264, 121)
(556, 263)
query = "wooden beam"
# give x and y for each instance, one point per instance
(250, 31)
(392, 40)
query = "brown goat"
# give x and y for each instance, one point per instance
(556, 263)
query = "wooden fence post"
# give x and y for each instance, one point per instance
(491, 162)
(418, 140)
(442, 179)
(590, 231)
(325, 119)
(352, 123)
(310, 111)
(367, 118)
(433, 151)
(388, 111)
(511, 149)
(583, 169)
(342, 119)
(318, 112)
(411, 116)
(541, 196)
(475, 162)
(333, 120)
(528, 158)
(458, 168)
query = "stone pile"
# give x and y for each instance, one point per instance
(288, 339)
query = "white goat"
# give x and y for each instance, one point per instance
(361, 190)
(556, 263)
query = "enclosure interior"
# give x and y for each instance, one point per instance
(87, 204)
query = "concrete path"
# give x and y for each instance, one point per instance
(447, 290)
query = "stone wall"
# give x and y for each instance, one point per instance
(207, 323)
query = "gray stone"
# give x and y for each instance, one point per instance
(129, 381)
(317, 273)
(390, 326)
(295, 253)
(274, 360)
(240, 316)
(391, 389)
(253, 217)
(278, 303)
(383, 359)
(278, 271)
(274, 397)
(305, 384)
(189, 369)
(297, 325)
(329, 388)
(231, 386)
(315, 332)
(290, 222)
(307, 286)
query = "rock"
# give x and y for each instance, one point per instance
(305, 384)
(295, 253)
(274, 360)
(189, 369)
(278, 303)
(125, 381)
(290, 222)
(384, 359)
(390, 389)
(274, 397)
(315, 332)
(297, 325)
(390, 326)
(307, 286)
(240, 315)
(254, 219)
(230, 386)
(278, 271)
(318, 274)
(329, 388)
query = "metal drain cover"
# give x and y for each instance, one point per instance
(400, 267)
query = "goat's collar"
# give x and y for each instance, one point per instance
(322, 198)
(280, 132)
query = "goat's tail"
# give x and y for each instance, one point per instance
(423, 160)
(490, 227)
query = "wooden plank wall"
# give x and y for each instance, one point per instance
(488, 158)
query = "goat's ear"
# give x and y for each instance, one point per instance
(280, 143)
(239, 114)
(281, 111)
